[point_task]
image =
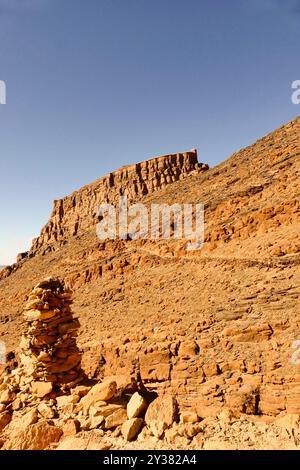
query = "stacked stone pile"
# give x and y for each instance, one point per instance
(48, 349)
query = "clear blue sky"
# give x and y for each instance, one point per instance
(96, 84)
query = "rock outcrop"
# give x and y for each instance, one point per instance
(77, 213)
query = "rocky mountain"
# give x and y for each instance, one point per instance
(215, 328)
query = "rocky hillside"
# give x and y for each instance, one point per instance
(215, 328)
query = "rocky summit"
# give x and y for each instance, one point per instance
(176, 348)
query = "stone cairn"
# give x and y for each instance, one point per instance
(49, 355)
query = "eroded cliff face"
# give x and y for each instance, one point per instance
(77, 213)
(214, 327)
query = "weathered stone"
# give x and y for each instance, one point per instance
(66, 400)
(210, 369)
(41, 389)
(155, 365)
(95, 445)
(7, 396)
(81, 390)
(5, 418)
(73, 443)
(79, 443)
(24, 421)
(161, 414)
(242, 286)
(289, 421)
(190, 430)
(188, 349)
(36, 437)
(33, 315)
(71, 427)
(16, 404)
(136, 406)
(116, 419)
(140, 179)
(46, 411)
(131, 428)
(92, 422)
(172, 432)
(100, 392)
(198, 441)
(104, 409)
(226, 416)
(189, 417)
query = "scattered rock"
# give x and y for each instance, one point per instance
(73, 443)
(131, 428)
(16, 404)
(46, 411)
(92, 422)
(41, 389)
(94, 445)
(79, 443)
(116, 419)
(36, 437)
(136, 406)
(7, 396)
(161, 414)
(65, 400)
(188, 349)
(71, 427)
(189, 417)
(5, 418)
(226, 416)
(22, 422)
(100, 392)
(81, 390)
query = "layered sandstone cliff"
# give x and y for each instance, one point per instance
(77, 213)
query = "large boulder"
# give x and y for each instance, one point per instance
(36, 437)
(161, 414)
(136, 406)
(103, 391)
